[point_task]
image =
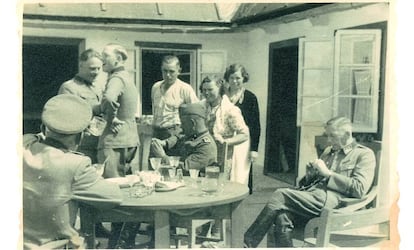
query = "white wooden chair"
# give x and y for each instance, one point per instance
(338, 227)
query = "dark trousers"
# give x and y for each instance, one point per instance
(250, 183)
(284, 207)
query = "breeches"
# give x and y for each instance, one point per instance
(307, 204)
(116, 160)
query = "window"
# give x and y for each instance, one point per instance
(195, 64)
(340, 78)
(356, 83)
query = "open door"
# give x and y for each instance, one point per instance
(282, 133)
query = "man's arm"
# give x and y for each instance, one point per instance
(110, 105)
(90, 188)
(359, 182)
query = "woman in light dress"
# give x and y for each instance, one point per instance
(227, 125)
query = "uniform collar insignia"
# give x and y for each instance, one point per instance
(346, 149)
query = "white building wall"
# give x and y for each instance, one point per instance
(249, 47)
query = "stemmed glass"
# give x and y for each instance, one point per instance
(174, 162)
(155, 163)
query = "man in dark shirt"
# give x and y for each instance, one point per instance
(196, 147)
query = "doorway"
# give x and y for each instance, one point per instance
(46, 64)
(282, 136)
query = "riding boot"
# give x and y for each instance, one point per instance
(283, 231)
(127, 235)
(115, 231)
(259, 228)
(101, 231)
(283, 236)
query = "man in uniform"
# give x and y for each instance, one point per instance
(56, 177)
(119, 141)
(86, 86)
(196, 147)
(345, 170)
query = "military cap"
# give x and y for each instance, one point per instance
(66, 114)
(193, 109)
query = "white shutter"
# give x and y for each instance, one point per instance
(315, 81)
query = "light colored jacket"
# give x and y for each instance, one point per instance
(54, 180)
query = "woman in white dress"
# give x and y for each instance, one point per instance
(227, 125)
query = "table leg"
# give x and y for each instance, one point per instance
(87, 226)
(162, 229)
(236, 225)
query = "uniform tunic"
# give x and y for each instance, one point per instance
(353, 172)
(54, 179)
(92, 93)
(120, 100)
(196, 152)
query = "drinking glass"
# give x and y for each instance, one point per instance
(209, 184)
(194, 176)
(174, 161)
(97, 126)
(155, 163)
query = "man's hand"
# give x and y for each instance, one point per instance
(321, 167)
(116, 125)
(157, 148)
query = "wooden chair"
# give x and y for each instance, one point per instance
(338, 226)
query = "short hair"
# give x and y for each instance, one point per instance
(341, 123)
(119, 50)
(168, 59)
(233, 69)
(219, 82)
(88, 54)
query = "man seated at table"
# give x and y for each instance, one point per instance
(196, 148)
(345, 170)
(56, 177)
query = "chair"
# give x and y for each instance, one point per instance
(224, 160)
(334, 226)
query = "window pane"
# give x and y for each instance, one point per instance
(356, 49)
(345, 87)
(359, 110)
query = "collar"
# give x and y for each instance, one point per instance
(55, 143)
(195, 136)
(82, 80)
(120, 68)
(238, 97)
(346, 149)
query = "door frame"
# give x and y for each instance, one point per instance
(267, 163)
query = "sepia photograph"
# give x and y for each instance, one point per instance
(199, 124)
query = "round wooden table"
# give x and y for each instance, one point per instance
(175, 207)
